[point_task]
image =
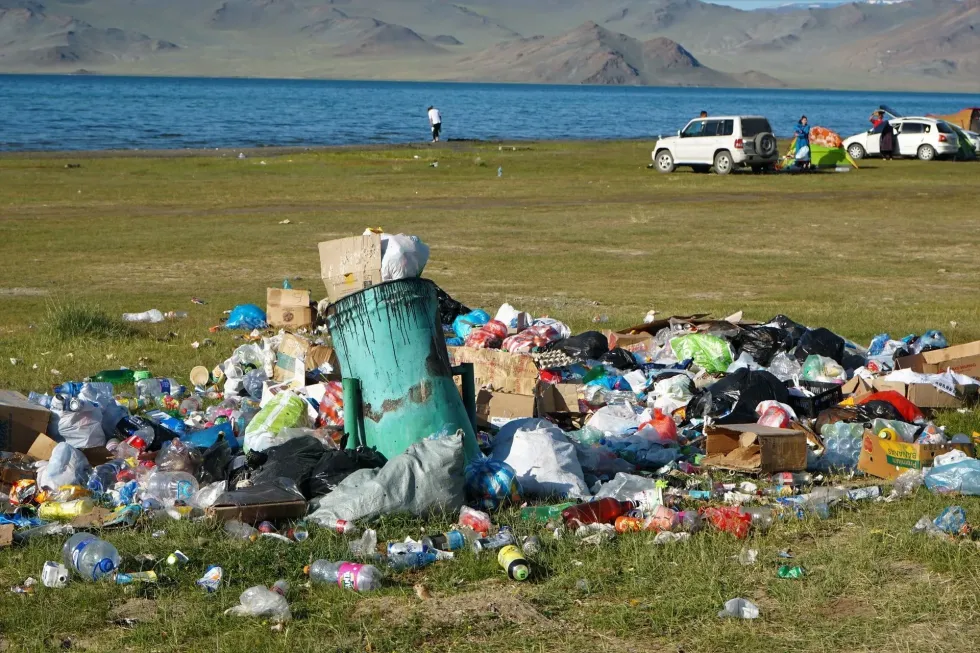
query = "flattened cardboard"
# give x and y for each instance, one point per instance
(349, 265)
(755, 448)
(498, 408)
(889, 460)
(290, 367)
(318, 355)
(288, 309)
(629, 341)
(92, 519)
(558, 397)
(962, 359)
(925, 395)
(255, 513)
(6, 535)
(20, 421)
(857, 387)
(499, 371)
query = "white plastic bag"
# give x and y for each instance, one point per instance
(112, 412)
(615, 420)
(67, 466)
(402, 257)
(285, 410)
(544, 459)
(672, 393)
(82, 428)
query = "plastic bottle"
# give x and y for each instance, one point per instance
(761, 516)
(153, 387)
(544, 514)
(792, 478)
(603, 511)
(74, 388)
(253, 381)
(412, 559)
(450, 541)
(347, 575)
(512, 560)
(190, 405)
(342, 527)
(90, 557)
(170, 487)
(475, 519)
(116, 377)
(175, 315)
(50, 510)
(498, 541)
(40, 399)
(151, 316)
(136, 577)
(241, 531)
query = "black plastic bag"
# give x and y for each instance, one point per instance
(217, 460)
(762, 343)
(853, 360)
(449, 308)
(586, 346)
(294, 459)
(620, 359)
(820, 342)
(794, 329)
(336, 465)
(733, 399)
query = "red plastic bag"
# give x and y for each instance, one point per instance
(909, 411)
(331, 411)
(775, 417)
(729, 520)
(663, 424)
(532, 338)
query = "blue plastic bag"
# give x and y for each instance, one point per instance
(952, 520)
(246, 316)
(491, 483)
(962, 476)
(463, 324)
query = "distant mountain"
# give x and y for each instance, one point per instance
(914, 44)
(30, 37)
(591, 54)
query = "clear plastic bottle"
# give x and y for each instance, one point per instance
(151, 316)
(91, 558)
(40, 399)
(190, 405)
(152, 388)
(414, 559)
(253, 383)
(762, 517)
(170, 487)
(241, 531)
(342, 526)
(347, 575)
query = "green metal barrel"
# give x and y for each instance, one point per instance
(389, 338)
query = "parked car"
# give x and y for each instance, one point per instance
(925, 138)
(722, 143)
(974, 140)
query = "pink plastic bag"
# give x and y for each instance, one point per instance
(532, 338)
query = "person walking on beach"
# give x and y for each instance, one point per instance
(803, 143)
(435, 122)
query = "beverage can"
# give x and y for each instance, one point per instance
(177, 558)
(512, 560)
(501, 539)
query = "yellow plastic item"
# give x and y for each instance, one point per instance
(889, 434)
(66, 510)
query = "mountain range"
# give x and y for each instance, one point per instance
(913, 44)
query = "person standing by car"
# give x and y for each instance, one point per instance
(802, 132)
(877, 118)
(888, 141)
(435, 122)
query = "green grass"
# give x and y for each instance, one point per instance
(571, 230)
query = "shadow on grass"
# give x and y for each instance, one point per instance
(66, 320)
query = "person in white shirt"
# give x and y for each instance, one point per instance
(435, 122)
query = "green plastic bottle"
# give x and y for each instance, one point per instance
(120, 377)
(544, 513)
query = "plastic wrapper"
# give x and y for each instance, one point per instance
(336, 465)
(491, 484)
(952, 521)
(762, 343)
(402, 257)
(276, 491)
(619, 359)
(285, 410)
(890, 405)
(710, 353)
(544, 460)
(533, 338)
(449, 308)
(775, 414)
(730, 520)
(207, 495)
(929, 341)
(672, 392)
(262, 602)
(81, 428)
(331, 410)
(175, 456)
(740, 609)
(246, 316)
(663, 425)
(784, 367)
(485, 338)
(112, 412)
(733, 399)
(615, 420)
(625, 486)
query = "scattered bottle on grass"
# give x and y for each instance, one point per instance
(346, 575)
(512, 560)
(498, 541)
(89, 556)
(241, 531)
(603, 511)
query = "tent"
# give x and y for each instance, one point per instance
(965, 151)
(967, 119)
(826, 150)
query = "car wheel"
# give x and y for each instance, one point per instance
(856, 151)
(926, 153)
(723, 163)
(701, 170)
(665, 161)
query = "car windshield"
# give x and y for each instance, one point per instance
(751, 127)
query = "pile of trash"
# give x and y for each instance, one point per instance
(595, 435)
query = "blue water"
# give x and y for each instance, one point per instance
(94, 113)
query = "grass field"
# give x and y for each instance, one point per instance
(572, 230)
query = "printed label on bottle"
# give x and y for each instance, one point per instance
(455, 540)
(165, 386)
(341, 526)
(76, 553)
(104, 566)
(347, 575)
(184, 490)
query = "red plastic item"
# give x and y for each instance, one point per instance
(550, 376)
(495, 328)
(331, 411)
(663, 424)
(482, 339)
(729, 520)
(775, 417)
(603, 511)
(532, 338)
(909, 411)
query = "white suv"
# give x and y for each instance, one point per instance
(925, 138)
(719, 142)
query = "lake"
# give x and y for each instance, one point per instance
(64, 112)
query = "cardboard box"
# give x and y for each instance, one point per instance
(499, 371)
(857, 388)
(963, 359)
(498, 408)
(925, 395)
(6, 535)
(288, 309)
(290, 367)
(629, 341)
(755, 448)
(20, 421)
(43, 447)
(350, 265)
(254, 513)
(889, 460)
(558, 397)
(318, 355)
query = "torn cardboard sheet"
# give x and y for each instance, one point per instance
(755, 448)
(349, 265)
